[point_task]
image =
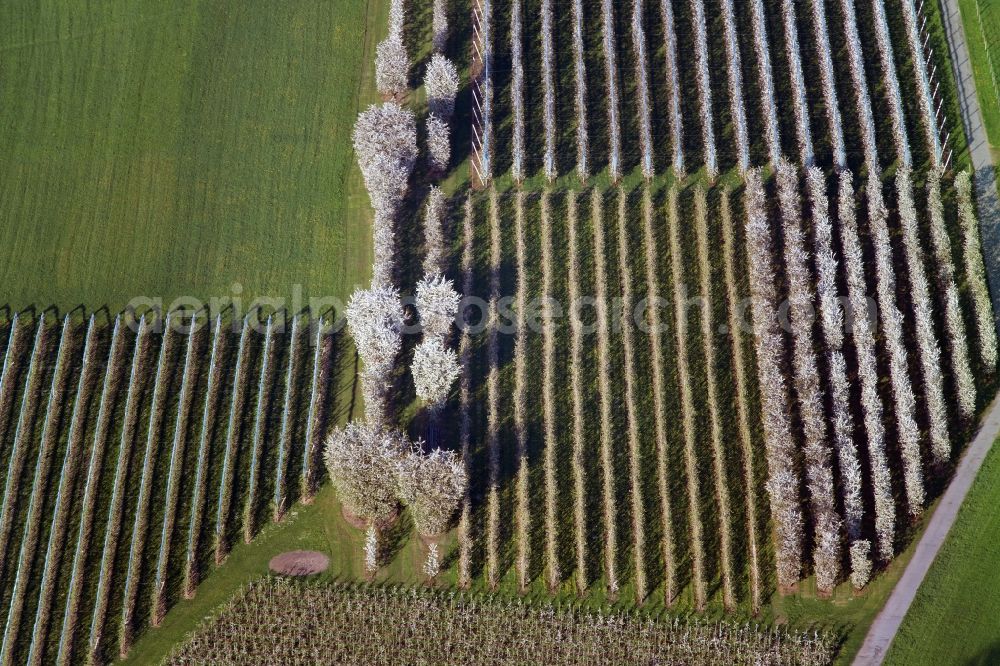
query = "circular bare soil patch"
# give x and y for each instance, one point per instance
(299, 563)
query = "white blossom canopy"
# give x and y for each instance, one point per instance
(362, 459)
(392, 65)
(435, 258)
(435, 368)
(437, 303)
(375, 319)
(441, 82)
(438, 142)
(432, 485)
(385, 141)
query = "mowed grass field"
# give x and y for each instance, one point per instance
(953, 618)
(981, 20)
(176, 148)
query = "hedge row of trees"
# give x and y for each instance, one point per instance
(927, 344)
(493, 399)
(842, 422)
(704, 89)
(109, 390)
(580, 99)
(734, 322)
(824, 52)
(642, 87)
(636, 504)
(800, 92)
(522, 512)
(372, 463)
(609, 496)
(688, 426)
(465, 401)
(708, 330)
(806, 380)
(580, 483)
(659, 398)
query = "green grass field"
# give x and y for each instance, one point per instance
(981, 20)
(166, 149)
(953, 618)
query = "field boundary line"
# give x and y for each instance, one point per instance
(887, 623)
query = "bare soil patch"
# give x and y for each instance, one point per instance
(299, 563)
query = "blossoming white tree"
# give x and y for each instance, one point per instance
(392, 66)
(432, 566)
(441, 84)
(975, 270)
(362, 459)
(397, 17)
(819, 471)
(435, 368)
(439, 25)
(431, 485)
(375, 319)
(385, 141)
(435, 245)
(437, 302)
(783, 482)
(438, 143)
(371, 550)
